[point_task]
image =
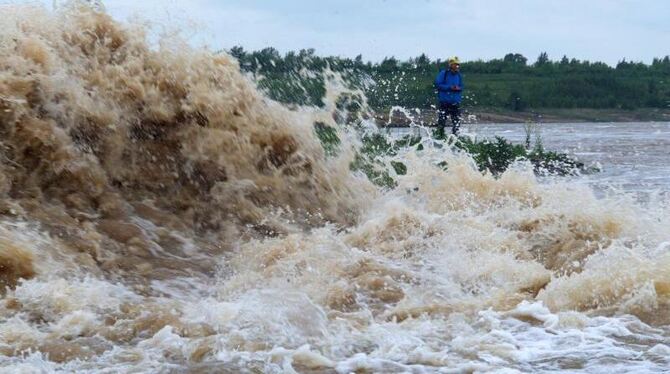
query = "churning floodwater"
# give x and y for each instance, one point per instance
(159, 214)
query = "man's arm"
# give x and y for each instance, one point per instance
(457, 87)
(439, 81)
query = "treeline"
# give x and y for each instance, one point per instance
(511, 82)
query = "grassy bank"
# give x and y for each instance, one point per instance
(510, 83)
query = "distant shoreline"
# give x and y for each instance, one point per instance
(428, 116)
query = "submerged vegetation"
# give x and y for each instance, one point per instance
(491, 156)
(495, 156)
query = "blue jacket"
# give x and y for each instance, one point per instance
(443, 82)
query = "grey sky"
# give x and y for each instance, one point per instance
(604, 30)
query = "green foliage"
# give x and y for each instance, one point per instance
(369, 157)
(374, 170)
(542, 59)
(497, 155)
(328, 137)
(293, 90)
(553, 163)
(494, 156)
(568, 83)
(399, 167)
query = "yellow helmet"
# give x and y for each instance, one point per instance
(454, 60)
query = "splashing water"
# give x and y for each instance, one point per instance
(159, 214)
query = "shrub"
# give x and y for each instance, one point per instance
(494, 156)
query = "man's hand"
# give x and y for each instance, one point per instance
(455, 88)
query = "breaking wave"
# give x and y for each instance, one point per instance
(160, 214)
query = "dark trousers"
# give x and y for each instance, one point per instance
(448, 110)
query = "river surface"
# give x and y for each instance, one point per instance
(159, 214)
(634, 156)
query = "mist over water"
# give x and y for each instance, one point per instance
(159, 214)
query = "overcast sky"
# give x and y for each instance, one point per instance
(603, 30)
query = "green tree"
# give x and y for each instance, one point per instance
(506, 82)
(542, 59)
(515, 58)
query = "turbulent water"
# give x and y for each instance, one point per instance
(159, 214)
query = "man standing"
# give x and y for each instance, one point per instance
(449, 84)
